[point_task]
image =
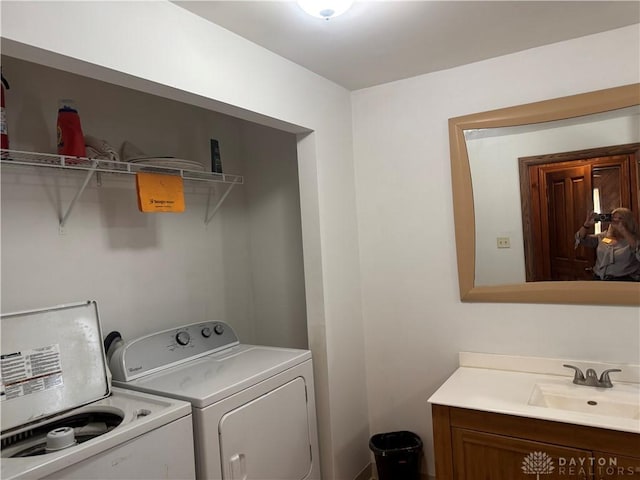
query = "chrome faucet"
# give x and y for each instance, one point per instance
(591, 378)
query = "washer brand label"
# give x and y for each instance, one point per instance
(30, 371)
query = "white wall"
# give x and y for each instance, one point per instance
(275, 237)
(162, 49)
(415, 323)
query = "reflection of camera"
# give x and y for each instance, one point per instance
(602, 217)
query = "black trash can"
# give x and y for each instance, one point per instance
(397, 455)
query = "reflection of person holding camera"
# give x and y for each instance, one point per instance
(617, 249)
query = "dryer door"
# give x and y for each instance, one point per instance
(268, 437)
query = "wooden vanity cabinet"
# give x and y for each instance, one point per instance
(476, 445)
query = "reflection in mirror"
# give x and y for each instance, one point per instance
(557, 192)
(516, 172)
(500, 161)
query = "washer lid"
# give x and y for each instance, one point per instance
(51, 360)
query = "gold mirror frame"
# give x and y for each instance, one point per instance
(574, 292)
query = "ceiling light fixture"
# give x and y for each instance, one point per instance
(325, 9)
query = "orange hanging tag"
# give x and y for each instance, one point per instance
(159, 192)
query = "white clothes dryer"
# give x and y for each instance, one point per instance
(253, 407)
(60, 417)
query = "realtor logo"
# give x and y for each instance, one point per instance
(537, 463)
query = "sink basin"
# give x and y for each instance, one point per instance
(620, 401)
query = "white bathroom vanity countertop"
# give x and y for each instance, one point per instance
(506, 384)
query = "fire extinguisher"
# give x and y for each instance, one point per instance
(4, 130)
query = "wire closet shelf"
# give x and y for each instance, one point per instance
(33, 159)
(93, 166)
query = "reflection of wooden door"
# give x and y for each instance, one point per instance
(568, 191)
(557, 192)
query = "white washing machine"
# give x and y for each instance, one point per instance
(60, 416)
(254, 410)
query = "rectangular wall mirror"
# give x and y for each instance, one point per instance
(514, 221)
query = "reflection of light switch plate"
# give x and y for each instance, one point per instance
(504, 242)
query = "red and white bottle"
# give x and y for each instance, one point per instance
(70, 136)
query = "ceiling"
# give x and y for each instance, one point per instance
(377, 42)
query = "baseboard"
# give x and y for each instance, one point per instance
(369, 473)
(366, 473)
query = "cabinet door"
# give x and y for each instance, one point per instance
(610, 466)
(485, 456)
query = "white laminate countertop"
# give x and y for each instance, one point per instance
(491, 383)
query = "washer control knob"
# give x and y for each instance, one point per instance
(219, 329)
(183, 338)
(206, 332)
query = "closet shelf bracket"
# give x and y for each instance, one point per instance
(87, 178)
(209, 216)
